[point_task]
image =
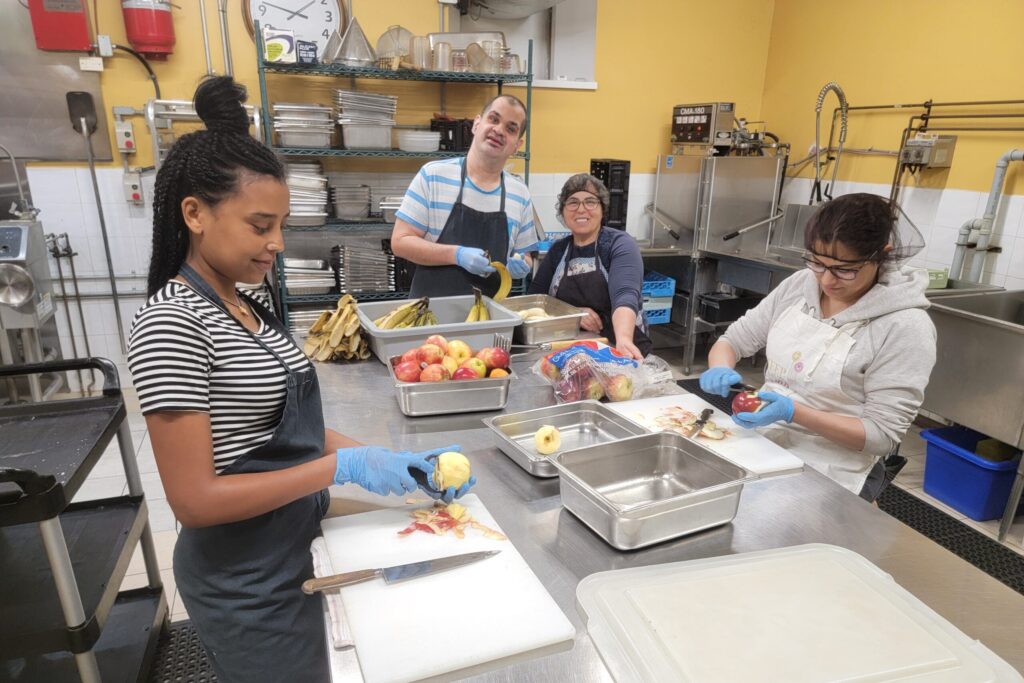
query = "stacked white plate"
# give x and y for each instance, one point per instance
(419, 140)
(303, 125)
(307, 187)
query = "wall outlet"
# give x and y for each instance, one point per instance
(133, 188)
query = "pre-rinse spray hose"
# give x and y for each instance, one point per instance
(816, 190)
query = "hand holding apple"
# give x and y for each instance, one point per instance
(746, 402)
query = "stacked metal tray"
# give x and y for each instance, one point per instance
(563, 321)
(648, 489)
(581, 424)
(303, 125)
(418, 399)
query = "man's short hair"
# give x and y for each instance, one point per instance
(513, 100)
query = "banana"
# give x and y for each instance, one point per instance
(474, 314)
(506, 280)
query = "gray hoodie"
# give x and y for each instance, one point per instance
(893, 354)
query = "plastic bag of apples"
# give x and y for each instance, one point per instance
(592, 370)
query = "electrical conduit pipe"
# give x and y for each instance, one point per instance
(985, 230)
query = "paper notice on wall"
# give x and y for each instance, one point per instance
(44, 307)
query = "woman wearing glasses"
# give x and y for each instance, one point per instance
(596, 269)
(849, 346)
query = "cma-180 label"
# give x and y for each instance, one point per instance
(684, 111)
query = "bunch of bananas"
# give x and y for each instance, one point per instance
(337, 334)
(413, 314)
(478, 311)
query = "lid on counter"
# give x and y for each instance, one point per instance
(806, 614)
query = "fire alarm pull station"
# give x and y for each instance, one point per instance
(60, 25)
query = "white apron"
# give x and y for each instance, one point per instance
(805, 362)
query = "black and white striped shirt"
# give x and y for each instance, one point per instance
(185, 354)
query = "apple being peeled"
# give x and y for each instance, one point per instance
(620, 388)
(476, 365)
(747, 402)
(434, 373)
(459, 350)
(438, 341)
(430, 354)
(493, 357)
(410, 355)
(408, 371)
(465, 373)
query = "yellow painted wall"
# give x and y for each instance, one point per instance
(651, 54)
(889, 51)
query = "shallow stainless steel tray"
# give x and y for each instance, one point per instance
(418, 399)
(581, 424)
(564, 322)
(647, 489)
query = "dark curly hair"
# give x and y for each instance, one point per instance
(206, 164)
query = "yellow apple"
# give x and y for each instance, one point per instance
(459, 350)
(450, 364)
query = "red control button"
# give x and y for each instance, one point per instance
(129, 144)
(136, 196)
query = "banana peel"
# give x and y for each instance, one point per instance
(506, 280)
(337, 334)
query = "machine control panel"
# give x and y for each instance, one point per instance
(703, 124)
(125, 137)
(929, 151)
(12, 243)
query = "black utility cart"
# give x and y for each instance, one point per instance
(62, 616)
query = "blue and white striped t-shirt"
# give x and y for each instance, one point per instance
(433, 191)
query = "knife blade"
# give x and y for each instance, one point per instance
(397, 573)
(742, 387)
(694, 429)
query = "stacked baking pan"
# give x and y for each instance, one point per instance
(366, 118)
(308, 276)
(351, 202)
(303, 125)
(363, 268)
(307, 186)
(389, 206)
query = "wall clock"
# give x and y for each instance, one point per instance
(311, 20)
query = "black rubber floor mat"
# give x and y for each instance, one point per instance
(180, 657)
(693, 386)
(989, 556)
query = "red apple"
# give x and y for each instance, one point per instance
(430, 354)
(434, 373)
(567, 390)
(465, 373)
(620, 388)
(438, 341)
(548, 369)
(476, 365)
(408, 371)
(493, 357)
(459, 350)
(746, 402)
(410, 355)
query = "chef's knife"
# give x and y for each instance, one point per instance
(694, 429)
(400, 572)
(742, 387)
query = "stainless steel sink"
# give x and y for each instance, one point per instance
(1004, 309)
(960, 287)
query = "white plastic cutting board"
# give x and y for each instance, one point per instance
(446, 622)
(806, 614)
(743, 447)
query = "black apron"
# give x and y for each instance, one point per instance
(466, 227)
(240, 582)
(590, 290)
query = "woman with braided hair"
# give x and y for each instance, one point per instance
(233, 406)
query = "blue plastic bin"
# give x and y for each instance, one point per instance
(656, 285)
(954, 474)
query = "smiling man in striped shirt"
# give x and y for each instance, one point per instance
(458, 215)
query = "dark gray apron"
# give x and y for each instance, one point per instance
(467, 227)
(590, 290)
(241, 581)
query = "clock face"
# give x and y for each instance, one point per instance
(311, 20)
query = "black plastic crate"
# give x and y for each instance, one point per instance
(717, 307)
(617, 205)
(456, 134)
(614, 173)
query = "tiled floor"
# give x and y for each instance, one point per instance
(107, 479)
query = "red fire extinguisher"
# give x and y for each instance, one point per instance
(149, 27)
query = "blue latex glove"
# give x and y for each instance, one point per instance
(451, 493)
(518, 268)
(777, 407)
(718, 380)
(473, 260)
(380, 470)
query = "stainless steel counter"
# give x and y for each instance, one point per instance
(782, 511)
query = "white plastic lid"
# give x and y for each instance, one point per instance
(806, 614)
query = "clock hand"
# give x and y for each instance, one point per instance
(298, 12)
(285, 9)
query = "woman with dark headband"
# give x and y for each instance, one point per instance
(597, 269)
(850, 347)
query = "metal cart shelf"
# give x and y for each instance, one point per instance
(374, 153)
(85, 627)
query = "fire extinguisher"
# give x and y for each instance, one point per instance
(149, 27)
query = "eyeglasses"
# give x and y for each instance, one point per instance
(590, 203)
(840, 272)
